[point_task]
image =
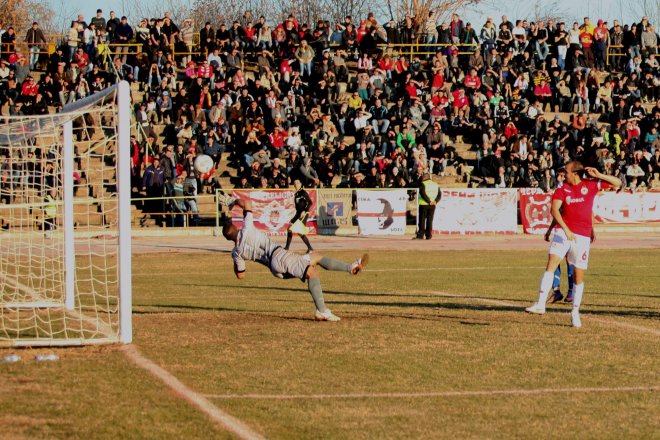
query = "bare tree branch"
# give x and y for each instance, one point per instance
(21, 13)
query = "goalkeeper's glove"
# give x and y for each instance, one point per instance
(226, 200)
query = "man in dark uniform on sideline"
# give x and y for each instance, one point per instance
(429, 196)
(302, 203)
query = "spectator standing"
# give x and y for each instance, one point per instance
(73, 39)
(649, 41)
(305, 56)
(601, 44)
(112, 25)
(36, 42)
(430, 32)
(153, 183)
(98, 21)
(123, 37)
(8, 43)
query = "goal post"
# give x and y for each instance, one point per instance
(65, 224)
(124, 190)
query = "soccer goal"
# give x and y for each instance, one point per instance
(65, 224)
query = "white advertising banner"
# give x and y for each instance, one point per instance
(625, 207)
(382, 212)
(477, 211)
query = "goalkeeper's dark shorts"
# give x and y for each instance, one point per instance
(285, 264)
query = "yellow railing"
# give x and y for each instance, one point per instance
(419, 48)
(409, 50)
(609, 54)
(169, 215)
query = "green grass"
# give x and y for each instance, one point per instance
(457, 325)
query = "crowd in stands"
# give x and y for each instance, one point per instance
(344, 104)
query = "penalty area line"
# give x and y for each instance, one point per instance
(228, 422)
(467, 393)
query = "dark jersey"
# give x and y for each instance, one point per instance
(302, 203)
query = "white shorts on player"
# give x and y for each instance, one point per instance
(285, 264)
(577, 252)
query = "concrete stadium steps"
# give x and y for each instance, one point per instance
(23, 217)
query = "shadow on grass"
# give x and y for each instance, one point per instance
(497, 308)
(626, 295)
(362, 294)
(632, 313)
(434, 305)
(610, 306)
(439, 302)
(183, 309)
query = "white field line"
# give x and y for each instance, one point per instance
(227, 421)
(510, 304)
(467, 393)
(629, 326)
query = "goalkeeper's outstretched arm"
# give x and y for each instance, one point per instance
(245, 204)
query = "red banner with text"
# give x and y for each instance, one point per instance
(274, 209)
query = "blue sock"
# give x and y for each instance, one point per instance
(556, 280)
(571, 282)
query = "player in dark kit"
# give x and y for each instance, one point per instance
(298, 222)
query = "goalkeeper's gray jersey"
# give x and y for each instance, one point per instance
(252, 245)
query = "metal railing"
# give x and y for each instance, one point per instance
(419, 48)
(174, 214)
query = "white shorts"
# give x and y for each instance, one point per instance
(577, 252)
(285, 264)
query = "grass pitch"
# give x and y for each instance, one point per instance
(431, 345)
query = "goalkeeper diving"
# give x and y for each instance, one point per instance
(253, 245)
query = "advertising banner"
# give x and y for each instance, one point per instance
(382, 212)
(609, 207)
(535, 212)
(273, 210)
(477, 211)
(623, 207)
(334, 210)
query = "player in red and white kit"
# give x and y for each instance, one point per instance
(572, 206)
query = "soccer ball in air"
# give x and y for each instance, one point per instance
(203, 163)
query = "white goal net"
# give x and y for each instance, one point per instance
(65, 259)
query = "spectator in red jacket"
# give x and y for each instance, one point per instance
(543, 94)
